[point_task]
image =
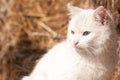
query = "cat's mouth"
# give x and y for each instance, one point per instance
(77, 47)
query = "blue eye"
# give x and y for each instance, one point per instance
(86, 33)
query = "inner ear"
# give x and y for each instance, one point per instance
(101, 15)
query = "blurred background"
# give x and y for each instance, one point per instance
(29, 27)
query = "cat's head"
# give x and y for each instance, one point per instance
(88, 27)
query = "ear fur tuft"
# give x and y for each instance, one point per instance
(73, 10)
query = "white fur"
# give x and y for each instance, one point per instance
(94, 57)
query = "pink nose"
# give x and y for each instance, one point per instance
(76, 42)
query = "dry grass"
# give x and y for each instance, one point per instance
(29, 27)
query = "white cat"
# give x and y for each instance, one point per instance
(89, 52)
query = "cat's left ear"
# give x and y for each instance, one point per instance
(73, 10)
(101, 15)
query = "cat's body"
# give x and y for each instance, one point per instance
(89, 52)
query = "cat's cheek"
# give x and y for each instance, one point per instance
(71, 41)
(69, 37)
(83, 43)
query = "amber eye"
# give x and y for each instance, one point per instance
(72, 32)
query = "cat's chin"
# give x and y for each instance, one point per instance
(77, 47)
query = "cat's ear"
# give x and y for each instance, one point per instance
(73, 10)
(101, 15)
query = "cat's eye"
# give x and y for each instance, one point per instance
(86, 33)
(72, 32)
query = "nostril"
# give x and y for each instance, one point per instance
(76, 42)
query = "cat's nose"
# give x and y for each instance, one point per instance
(76, 42)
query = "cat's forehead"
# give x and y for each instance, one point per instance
(83, 20)
(84, 16)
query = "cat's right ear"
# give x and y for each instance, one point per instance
(101, 15)
(73, 10)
